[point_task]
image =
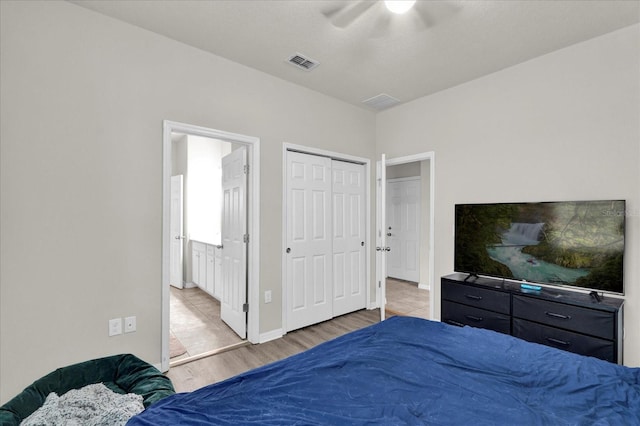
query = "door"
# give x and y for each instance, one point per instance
(403, 229)
(349, 291)
(233, 308)
(176, 254)
(308, 240)
(381, 235)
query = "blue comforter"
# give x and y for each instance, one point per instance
(412, 371)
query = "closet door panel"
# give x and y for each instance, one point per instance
(309, 240)
(348, 237)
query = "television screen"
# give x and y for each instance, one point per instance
(574, 243)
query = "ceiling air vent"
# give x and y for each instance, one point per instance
(381, 101)
(303, 62)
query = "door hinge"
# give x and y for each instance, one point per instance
(246, 169)
(379, 284)
(245, 307)
(245, 238)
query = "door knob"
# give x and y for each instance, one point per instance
(179, 237)
(388, 234)
(220, 247)
(387, 249)
(288, 250)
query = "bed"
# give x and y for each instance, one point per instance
(412, 371)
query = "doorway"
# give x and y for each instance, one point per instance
(408, 232)
(207, 311)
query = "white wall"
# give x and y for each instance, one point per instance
(565, 126)
(83, 97)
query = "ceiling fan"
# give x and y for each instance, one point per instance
(422, 14)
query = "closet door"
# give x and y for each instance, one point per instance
(309, 298)
(349, 292)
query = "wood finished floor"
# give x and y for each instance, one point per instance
(195, 322)
(402, 298)
(196, 374)
(405, 298)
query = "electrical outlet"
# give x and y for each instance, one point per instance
(130, 324)
(267, 296)
(115, 326)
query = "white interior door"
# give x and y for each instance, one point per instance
(349, 291)
(308, 238)
(234, 241)
(176, 254)
(403, 229)
(381, 235)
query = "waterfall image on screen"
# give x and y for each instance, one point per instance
(564, 243)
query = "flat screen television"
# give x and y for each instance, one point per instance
(572, 243)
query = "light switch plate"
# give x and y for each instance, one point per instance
(115, 326)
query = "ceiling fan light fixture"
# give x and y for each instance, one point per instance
(399, 6)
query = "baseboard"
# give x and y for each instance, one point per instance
(424, 286)
(190, 285)
(271, 335)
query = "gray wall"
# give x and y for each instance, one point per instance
(83, 99)
(564, 126)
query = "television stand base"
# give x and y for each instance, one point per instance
(474, 275)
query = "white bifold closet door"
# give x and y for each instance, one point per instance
(325, 264)
(349, 292)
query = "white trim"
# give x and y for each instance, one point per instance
(253, 275)
(404, 179)
(367, 178)
(271, 335)
(431, 157)
(331, 154)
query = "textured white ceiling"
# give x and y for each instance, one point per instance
(364, 50)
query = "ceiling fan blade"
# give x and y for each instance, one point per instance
(345, 15)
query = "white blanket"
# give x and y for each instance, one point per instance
(92, 405)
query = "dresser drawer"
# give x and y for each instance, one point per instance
(457, 314)
(565, 340)
(492, 300)
(570, 317)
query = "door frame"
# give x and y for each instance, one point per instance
(424, 156)
(367, 178)
(253, 225)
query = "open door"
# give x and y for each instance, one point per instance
(381, 235)
(234, 307)
(176, 245)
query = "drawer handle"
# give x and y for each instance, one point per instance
(452, 322)
(473, 297)
(472, 318)
(558, 341)
(559, 316)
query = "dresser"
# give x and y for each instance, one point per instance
(564, 319)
